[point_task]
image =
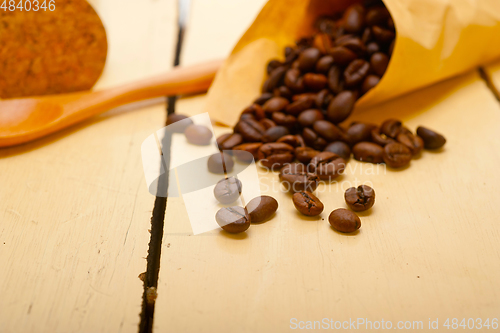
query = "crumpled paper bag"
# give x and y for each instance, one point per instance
(436, 39)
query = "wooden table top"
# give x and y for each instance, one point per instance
(75, 213)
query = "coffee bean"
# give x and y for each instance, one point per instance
(275, 104)
(198, 135)
(379, 62)
(344, 220)
(356, 72)
(376, 16)
(361, 198)
(313, 140)
(284, 92)
(327, 130)
(369, 83)
(274, 133)
(307, 203)
(327, 165)
(228, 190)
(380, 138)
(343, 56)
(267, 123)
(413, 142)
(261, 208)
(229, 142)
(300, 105)
(220, 163)
(221, 139)
(397, 155)
(286, 120)
(352, 43)
(323, 99)
(323, 43)
(295, 178)
(300, 140)
(290, 140)
(275, 155)
(382, 35)
(341, 107)
(359, 132)
(335, 82)
(340, 148)
(233, 219)
(263, 98)
(308, 117)
(354, 18)
(272, 65)
(314, 81)
(324, 64)
(179, 127)
(368, 152)
(250, 129)
(432, 140)
(276, 78)
(247, 152)
(308, 59)
(391, 128)
(294, 81)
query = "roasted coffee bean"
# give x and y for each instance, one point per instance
(233, 219)
(247, 152)
(221, 139)
(294, 81)
(322, 42)
(372, 48)
(327, 130)
(344, 220)
(220, 163)
(275, 104)
(267, 123)
(308, 117)
(307, 203)
(391, 128)
(382, 35)
(289, 140)
(263, 98)
(283, 119)
(198, 135)
(276, 78)
(179, 127)
(274, 133)
(356, 72)
(261, 208)
(354, 18)
(413, 142)
(300, 140)
(361, 198)
(250, 129)
(359, 132)
(314, 81)
(305, 154)
(379, 62)
(341, 107)
(367, 36)
(272, 65)
(323, 99)
(343, 56)
(324, 64)
(369, 83)
(326, 25)
(335, 82)
(354, 44)
(308, 59)
(309, 95)
(380, 138)
(228, 143)
(340, 148)
(284, 92)
(377, 16)
(368, 152)
(327, 165)
(300, 105)
(228, 190)
(276, 154)
(397, 155)
(246, 116)
(432, 140)
(295, 178)
(313, 140)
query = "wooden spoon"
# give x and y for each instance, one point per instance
(26, 119)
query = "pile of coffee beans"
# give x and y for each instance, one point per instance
(297, 125)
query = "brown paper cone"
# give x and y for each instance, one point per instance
(436, 39)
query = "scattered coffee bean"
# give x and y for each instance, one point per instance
(230, 141)
(361, 198)
(356, 72)
(359, 132)
(261, 208)
(275, 104)
(397, 155)
(305, 154)
(220, 163)
(179, 127)
(233, 219)
(274, 133)
(368, 152)
(308, 59)
(344, 220)
(250, 129)
(228, 190)
(307, 203)
(369, 83)
(327, 130)
(413, 142)
(275, 155)
(341, 107)
(198, 135)
(295, 178)
(379, 62)
(432, 140)
(340, 148)
(314, 81)
(313, 139)
(391, 128)
(380, 138)
(309, 117)
(247, 152)
(327, 165)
